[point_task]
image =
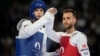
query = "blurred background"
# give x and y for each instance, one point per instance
(88, 15)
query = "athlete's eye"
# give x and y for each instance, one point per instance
(67, 17)
(36, 10)
(63, 18)
(41, 10)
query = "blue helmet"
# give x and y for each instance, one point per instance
(36, 4)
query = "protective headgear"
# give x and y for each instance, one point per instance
(36, 4)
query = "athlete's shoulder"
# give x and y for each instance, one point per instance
(80, 35)
(23, 22)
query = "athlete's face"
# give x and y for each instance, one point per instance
(68, 20)
(38, 12)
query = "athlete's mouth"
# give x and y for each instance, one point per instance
(39, 16)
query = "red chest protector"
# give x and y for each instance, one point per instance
(66, 49)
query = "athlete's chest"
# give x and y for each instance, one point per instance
(68, 40)
(68, 44)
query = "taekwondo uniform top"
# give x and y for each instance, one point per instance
(32, 38)
(74, 44)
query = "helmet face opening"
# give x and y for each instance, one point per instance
(36, 4)
(38, 12)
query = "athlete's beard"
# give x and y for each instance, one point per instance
(69, 27)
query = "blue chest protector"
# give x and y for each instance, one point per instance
(30, 46)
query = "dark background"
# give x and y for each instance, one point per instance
(88, 21)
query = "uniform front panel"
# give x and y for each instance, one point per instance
(30, 46)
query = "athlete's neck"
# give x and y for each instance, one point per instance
(71, 30)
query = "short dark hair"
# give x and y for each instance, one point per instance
(70, 10)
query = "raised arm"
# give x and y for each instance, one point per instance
(28, 29)
(55, 36)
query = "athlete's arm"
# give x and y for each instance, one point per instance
(55, 36)
(82, 45)
(28, 29)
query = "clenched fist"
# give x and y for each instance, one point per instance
(50, 13)
(52, 10)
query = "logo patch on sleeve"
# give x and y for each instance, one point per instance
(84, 46)
(85, 53)
(84, 49)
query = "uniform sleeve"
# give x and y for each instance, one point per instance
(55, 36)
(82, 45)
(28, 28)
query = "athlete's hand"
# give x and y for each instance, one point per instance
(52, 10)
(50, 13)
